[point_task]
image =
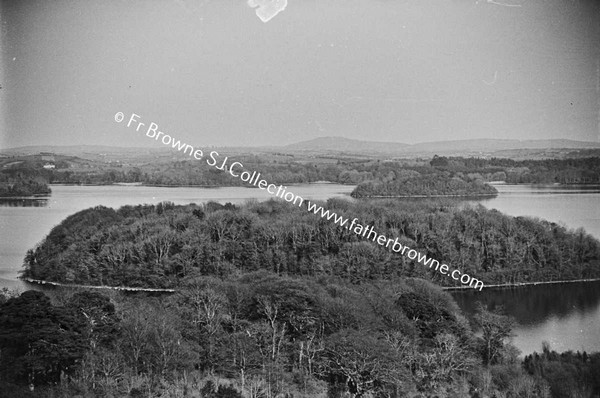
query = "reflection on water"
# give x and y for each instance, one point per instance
(534, 304)
(23, 202)
(542, 189)
(566, 315)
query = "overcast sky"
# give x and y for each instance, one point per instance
(210, 72)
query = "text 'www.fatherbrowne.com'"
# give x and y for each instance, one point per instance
(237, 170)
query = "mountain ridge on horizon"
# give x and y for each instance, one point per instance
(537, 143)
(344, 145)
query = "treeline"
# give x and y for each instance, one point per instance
(547, 171)
(568, 374)
(23, 179)
(161, 246)
(198, 173)
(380, 174)
(416, 184)
(259, 335)
(280, 169)
(22, 185)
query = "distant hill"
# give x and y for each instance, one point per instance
(74, 150)
(553, 148)
(454, 147)
(340, 144)
(486, 145)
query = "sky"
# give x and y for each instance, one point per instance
(211, 72)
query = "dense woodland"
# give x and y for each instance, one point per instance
(564, 171)
(161, 246)
(380, 175)
(262, 335)
(416, 184)
(548, 171)
(22, 186)
(275, 302)
(23, 179)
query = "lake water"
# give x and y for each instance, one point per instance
(567, 316)
(25, 222)
(573, 205)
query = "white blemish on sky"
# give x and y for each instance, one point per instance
(267, 9)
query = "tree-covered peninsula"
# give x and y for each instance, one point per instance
(21, 179)
(161, 246)
(273, 301)
(415, 184)
(22, 186)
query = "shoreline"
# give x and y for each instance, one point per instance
(163, 290)
(520, 284)
(141, 184)
(427, 196)
(122, 288)
(35, 196)
(126, 184)
(135, 184)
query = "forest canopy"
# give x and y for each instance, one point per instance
(345, 171)
(408, 184)
(298, 169)
(160, 246)
(259, 334)
(22, 186)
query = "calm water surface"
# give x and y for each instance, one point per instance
(25, 222)
(567, 315)
(573, 205)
